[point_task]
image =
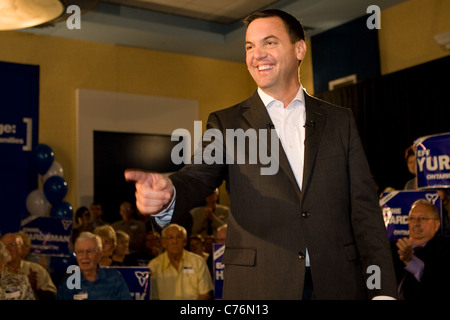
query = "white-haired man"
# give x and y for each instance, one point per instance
(96, 283)
(178, 274)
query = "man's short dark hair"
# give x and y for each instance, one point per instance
(293, 26)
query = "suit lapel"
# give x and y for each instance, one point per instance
(254, 111)
(315, 118)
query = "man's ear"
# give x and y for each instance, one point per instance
(300, 47)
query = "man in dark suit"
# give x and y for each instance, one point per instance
(313, 227)
(422, 260)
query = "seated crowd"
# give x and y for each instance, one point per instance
(180, 260)
(96, 244)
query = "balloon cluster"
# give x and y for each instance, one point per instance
(49, 200)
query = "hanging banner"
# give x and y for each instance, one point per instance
(396, 206)
(218, 270)
(433, 161)
(49, 236)
(19, 110)
(138, 281)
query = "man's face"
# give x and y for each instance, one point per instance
(174, 241)
(96, 211)
(196, 245)
(422, 224)
(126, 211)
(14, 245)
(87, 254)
(272, 59)
(152, 241)
(85, 217)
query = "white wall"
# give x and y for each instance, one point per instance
(123, 112)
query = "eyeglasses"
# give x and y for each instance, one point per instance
(89, 252)
(419, 219)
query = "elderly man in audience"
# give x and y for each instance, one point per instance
(422, 261)
(95, 283)
(38, 276)
(178, 274)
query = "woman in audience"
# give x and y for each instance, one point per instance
(109, 243)
(121, 255)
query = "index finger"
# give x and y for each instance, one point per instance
(135, 175)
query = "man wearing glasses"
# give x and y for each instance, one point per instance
(96, 283)
(422, 262)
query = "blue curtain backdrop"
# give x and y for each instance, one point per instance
(19, 111)
(348, 49)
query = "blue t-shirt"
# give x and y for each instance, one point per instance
(109, 285)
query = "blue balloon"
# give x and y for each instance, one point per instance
(55, 189)
(62, 210)
(43, 157)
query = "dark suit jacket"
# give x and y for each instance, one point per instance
(336, 215)
(435, 281)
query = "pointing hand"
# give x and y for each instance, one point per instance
(154, 191)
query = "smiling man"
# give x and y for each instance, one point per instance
(273, 54)
(285, 240)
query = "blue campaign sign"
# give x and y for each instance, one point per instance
(19, 110)
(138, 281)
(433, 161)
(218, 270)
(396, 206)
(49, 236)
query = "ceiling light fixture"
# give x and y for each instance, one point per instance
(20, 14)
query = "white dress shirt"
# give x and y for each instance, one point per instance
(289, 123)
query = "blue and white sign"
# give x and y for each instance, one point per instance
(433, 161)
(138, 281)
(49, 236)
(396, 206)
(218, 270)
(19, 111)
